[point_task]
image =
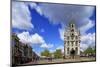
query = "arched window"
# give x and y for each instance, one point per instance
(68, 43)
(76, 37)
(72, 25)
(76, 50)
(68, 50)
(76, 43)
(72, 42)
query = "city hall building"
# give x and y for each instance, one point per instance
(71, 41)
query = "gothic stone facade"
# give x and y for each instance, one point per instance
(71, 41)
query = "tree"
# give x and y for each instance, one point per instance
(89, 50)
(94, 49)
(58, 54)
(46, 53)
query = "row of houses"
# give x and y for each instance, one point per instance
(21, 53)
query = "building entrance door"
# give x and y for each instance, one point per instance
(72, 53)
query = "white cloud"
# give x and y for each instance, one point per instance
(25, 37)
(37, 38)
(63, 14)
(83, 46)
(44, 45)
(61, 32)
(21, 17)
(36, 7)
(86, 27)
(87, 40)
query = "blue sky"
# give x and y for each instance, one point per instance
(41, 25)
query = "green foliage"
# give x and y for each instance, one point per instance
(58, 54)
(89, 50)
(46, 53)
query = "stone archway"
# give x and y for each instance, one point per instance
(72, 53)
